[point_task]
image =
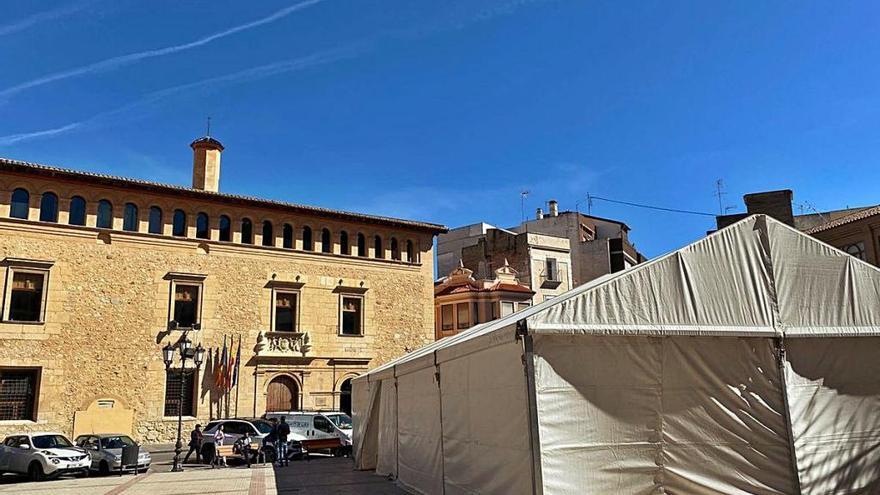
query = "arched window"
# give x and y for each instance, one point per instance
(203, 226)
(49, 207)
(395, 249)
(130, 217)
(326, 243)
(308, 245)
(268, 234)
(21, 200)
(378, 252)
(225, 228)
(178, 224)
(343, 242)
(287, 235)
(362, 245)
(155, 226)
(105, 215)
(410, 252)
(247, 231)
(77, 213)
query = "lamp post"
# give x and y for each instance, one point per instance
(184, 345)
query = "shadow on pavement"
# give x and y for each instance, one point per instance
(330, 475)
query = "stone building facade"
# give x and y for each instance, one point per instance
(101, 272)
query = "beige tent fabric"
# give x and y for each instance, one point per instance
(387, 426)
(364, 407)
(486, 423)
(696, 415)
(669, 380)
(834, 396)
(418, 428)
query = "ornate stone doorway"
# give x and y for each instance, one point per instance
(282, 394)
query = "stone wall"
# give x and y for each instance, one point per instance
(108, 311)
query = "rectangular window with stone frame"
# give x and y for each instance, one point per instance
(19, 390)
(447, 317)
(351, 315)
(175, 380)
(185, 301)
(284, 311)
(26, 293)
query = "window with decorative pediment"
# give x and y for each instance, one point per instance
(26, 292)
(285, 311)
(351, 315)
(185, 311)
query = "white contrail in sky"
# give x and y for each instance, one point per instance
(252, 74)
(114, 62)
(22, 24)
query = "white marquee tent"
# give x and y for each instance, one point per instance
(747, 362)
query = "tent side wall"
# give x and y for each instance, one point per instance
(419, 457)
(834, 396)
(486, 422)
(365, 401)
(387, 427)
(698, 415)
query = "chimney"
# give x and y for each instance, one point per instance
(206, 164)
(554, 208)
(539, 214)
(776, 204)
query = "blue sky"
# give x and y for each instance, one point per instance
(444, 110)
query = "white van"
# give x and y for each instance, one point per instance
(329, 430)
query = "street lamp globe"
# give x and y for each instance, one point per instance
(199, 357)
(168, 355)
(185, 346)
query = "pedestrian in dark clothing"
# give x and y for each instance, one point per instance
(283, 432)
(195, 444)
(270, 443)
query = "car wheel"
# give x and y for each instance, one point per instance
(104, 468)
(35, 472)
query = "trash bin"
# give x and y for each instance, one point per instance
(129, 458)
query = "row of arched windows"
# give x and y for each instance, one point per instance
(130, 222)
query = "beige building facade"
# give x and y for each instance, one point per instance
(101, 272)
(462, 301)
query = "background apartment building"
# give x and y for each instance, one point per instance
(565, 249)
(102, 272)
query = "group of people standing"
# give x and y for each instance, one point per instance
(273, 443)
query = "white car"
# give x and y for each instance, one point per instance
(328, 430)
(42, 455)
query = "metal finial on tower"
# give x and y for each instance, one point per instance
(208, 129)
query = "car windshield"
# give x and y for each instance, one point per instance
(342, 421)
(211, 425)
(263, 427)
(50, 442)
(116, 442)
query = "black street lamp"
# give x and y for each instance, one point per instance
(184, 345)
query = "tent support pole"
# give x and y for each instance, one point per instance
(780, 361)
(442, 442)
(522, 332)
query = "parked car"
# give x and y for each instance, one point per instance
(106, 452)
(235, 429)
(320, 430)
(42, 455)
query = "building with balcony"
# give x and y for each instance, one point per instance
(596, 246)
(461, 301)
(101, 272)
(540, 262)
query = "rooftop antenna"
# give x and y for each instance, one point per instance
(589, 204)
(522, 204)
(719, 193)
(208, 129)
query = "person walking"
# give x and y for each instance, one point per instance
(195, 444)
(219, 436)
(283, 432)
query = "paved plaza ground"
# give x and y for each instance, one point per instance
(321, 475)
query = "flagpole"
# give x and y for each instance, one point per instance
(237, 373)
